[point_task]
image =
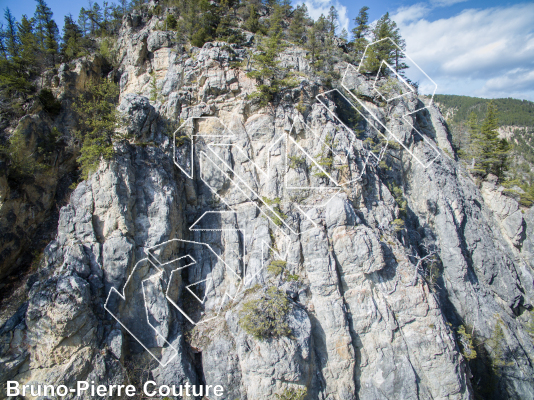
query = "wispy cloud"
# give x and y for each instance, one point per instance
(488, 52)
(318, 7)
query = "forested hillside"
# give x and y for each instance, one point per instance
(512, 112)
(515, 121)
(189, 195)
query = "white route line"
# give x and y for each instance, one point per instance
(190, 120)
(123, 297)
(410, 88)
(371, 123)
(404, 117)
(226, 294)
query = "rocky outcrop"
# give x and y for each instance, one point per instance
(161, 247)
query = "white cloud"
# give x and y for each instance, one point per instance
(411, 13)
(318, 7)
(445, 3)
(490, 52)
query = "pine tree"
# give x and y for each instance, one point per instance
(268, 73)
(124, 6)
(385, 49)
(323, 48)
(83, 21)
(12, 43)
(360, 32)
(206, 26)
(3, 51)
(14, 79)
(493, 153)
(297, 28)
(47, 31)
(473, 131)
(95, 16)
(28, 44)
(72, 39)
(98, 122)
(252, 23)
(106, 16)
(332, 19)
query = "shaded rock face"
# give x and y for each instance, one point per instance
(375, 306)
(28, 203)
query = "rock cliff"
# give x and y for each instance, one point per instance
(383, 263)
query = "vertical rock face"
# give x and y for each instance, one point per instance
(177, 231)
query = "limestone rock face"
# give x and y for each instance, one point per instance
(158, 251)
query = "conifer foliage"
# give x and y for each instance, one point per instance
(33, 46)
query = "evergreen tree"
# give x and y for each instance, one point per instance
(46, 30)
(12, 43)
(359, 32)
(493, 152)
(385, 50)
(3, 51)
(72, 39)
(124, 6)
(297, 27)
(83, 21)
(317, 42)
(95, 16)
(252, 23)
(473, 131)
(267, 71)
(28, 44)
(14, 79)
(323, 48)
(206, 25)
(106, 16)
(332, 19)
(98, 122)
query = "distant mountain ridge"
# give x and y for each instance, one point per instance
(512, 112)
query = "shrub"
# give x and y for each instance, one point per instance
(276, 215)
(497, 343)
(293, 277)
(266, 317)
(276, 267)
(466, 342)
(397, 224)
(296, 162)
(21, 164)
(98, 122)
(170, 22)
(292, 394)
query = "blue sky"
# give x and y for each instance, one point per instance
(472, 47)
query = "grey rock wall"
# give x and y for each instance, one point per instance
(370, 318)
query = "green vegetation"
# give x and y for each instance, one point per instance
(514, 162)
(292, 394)
(98, 121)
(397, 225)
(276, 215)
(271, 78)
(325, 159)
(466, 343)
(265, 317)
(296, 162)
(21, 163)
(512, 112)
(398, 195)
(276, 267)
(497, 342)
(384, 50)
